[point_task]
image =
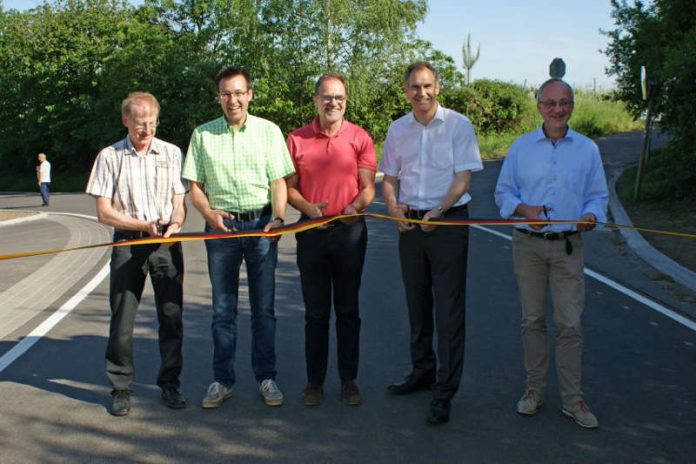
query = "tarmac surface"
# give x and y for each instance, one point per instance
(54, 398)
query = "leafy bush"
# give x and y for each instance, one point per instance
(493, 106)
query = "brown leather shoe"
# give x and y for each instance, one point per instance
(350, 393)
(312, 395)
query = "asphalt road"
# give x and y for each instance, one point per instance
(639, 375)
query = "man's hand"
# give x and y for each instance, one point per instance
(215, 219)
(588, 217)
(432, 214)
(274, 224)
(399, 211)
(350, 209)
(532, 213)
(152, 228)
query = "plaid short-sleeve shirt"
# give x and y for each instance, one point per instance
(236, 167)
(141, 187)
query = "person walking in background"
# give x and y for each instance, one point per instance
(237, 166)
(138, 188)
(552, 173)
(428, 158)
(335, 174)
(43, 176)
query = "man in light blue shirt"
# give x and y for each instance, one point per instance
(552, 173)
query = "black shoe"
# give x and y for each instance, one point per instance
(439, 412)
(412, 383)
(120, 405)
(173, 398)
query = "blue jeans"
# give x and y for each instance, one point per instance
(45, 189)
(224, 260)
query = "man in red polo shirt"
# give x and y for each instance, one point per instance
(334, 174)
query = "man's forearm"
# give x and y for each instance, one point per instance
(279, 197)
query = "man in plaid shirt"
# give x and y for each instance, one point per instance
(137, 184)
(237, 166)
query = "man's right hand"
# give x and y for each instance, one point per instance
(532, 213)
(215, 219)
(399, 211)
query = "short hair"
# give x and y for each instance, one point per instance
(328, 76)
(232, 71)
(551, 81)
(417, 66)
(133, 97)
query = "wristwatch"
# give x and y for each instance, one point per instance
(279, 219)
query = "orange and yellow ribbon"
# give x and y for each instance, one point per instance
(314, 223)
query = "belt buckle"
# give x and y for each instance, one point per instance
(548, 235)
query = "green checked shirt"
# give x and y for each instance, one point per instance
(236, 168)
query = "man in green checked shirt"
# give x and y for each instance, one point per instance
(237, 166)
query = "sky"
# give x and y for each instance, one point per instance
(518, 38)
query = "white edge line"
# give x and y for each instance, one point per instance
(617, 286)
(27, 342)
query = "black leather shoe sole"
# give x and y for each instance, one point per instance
(173, 399)
(439, 412)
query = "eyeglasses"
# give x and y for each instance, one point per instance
(328, 98)
(146, 125)
(236, 94)
(551, 104)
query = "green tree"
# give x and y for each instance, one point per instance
(661, 36)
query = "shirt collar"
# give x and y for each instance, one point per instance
(540, 135)
(439, 116)
(153, 148)
(318, 132)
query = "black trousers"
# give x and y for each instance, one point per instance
(129, 268)
(433, 268)
(331, 261)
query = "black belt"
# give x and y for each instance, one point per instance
(133, 234)
(552, 236)
(548, 235)
(251, 215)
(130, 234)
(419, 213)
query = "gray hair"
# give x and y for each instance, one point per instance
(133, 97)
(551, 81)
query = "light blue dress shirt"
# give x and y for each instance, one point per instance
(567, 177)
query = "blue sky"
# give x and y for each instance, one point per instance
(518, 38)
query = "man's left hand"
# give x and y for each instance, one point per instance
(589, 217)
(350, 209)
(432, 214)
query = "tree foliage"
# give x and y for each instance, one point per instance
(660, 35)
(68, 64)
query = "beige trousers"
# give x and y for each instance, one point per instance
(542, 265)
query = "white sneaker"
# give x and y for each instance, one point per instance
(217, 393)
(530, 403)
(581, 414)
(270, 392)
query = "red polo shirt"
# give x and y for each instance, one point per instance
(327, 166)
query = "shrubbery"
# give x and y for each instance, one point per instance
(494, 107)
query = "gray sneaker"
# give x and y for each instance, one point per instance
(270, 392)
(581, 414)
(530, 403)
(217, 393)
